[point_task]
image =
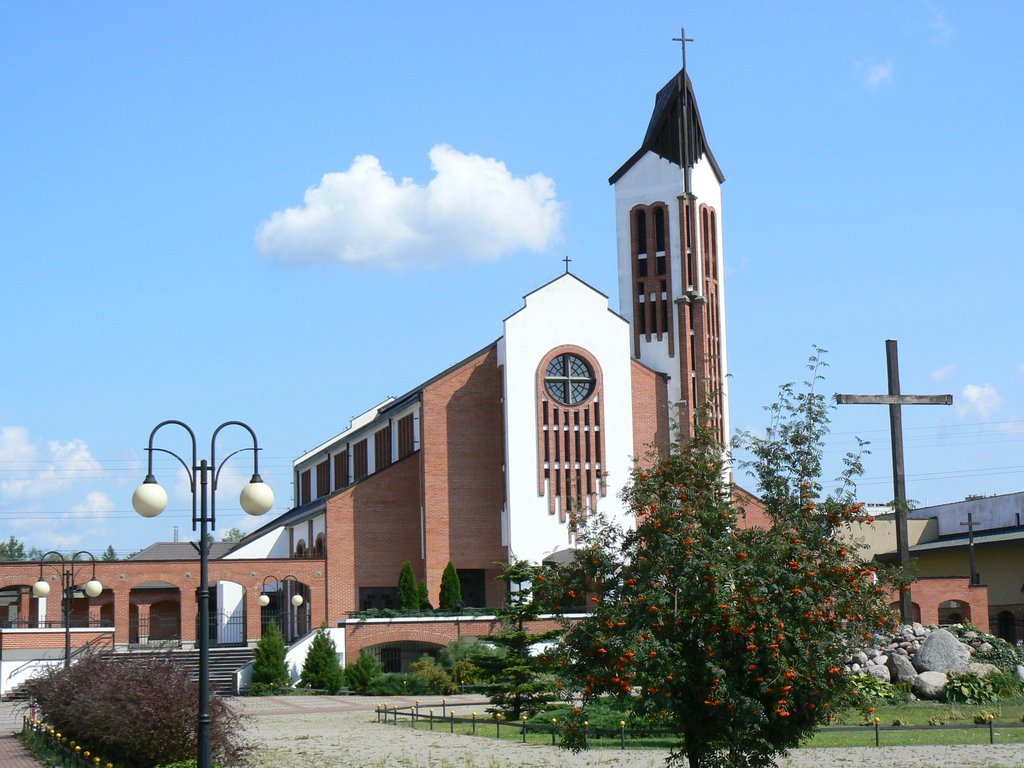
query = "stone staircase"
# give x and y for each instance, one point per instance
(224, 662)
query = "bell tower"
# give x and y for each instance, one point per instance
(668, 208)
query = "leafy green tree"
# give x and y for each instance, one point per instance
(109, 555)
(451, 589)
(361, 673)
(12, 550)
(321, 669)
(435, 677)
(408, 593)
(732, 637)
(269, 667)
(232, 535)
(518, 680)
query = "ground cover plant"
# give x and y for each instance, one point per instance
(141, 712)
(731, 637)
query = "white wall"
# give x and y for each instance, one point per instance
(654, 179)
(273, 544)
(989, 512)
(565, 311)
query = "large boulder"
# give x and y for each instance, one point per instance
(941, 652)
(900, 669)
(929, 685)
(980, 669)
(880, 671)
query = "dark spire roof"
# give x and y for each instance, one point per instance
(663, 131)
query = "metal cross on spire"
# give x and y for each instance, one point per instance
(683, 40)
(894, 400)
(567, 260)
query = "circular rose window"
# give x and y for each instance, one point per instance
(569, 379)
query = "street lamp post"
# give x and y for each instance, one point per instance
(296, 599)
(67, 572)
(150, 499)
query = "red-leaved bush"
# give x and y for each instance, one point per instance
(140, 711)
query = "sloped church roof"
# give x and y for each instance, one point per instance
(662, 136)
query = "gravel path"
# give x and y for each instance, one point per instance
(341, 732)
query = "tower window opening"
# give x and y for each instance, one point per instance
(659, 230)
(641, 232)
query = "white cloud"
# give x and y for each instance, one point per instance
(473, 209)
(97, 505)
(878, 74)
(34, 472)
(940, 27)
(940, 374)
(981, 401)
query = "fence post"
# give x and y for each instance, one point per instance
(497, 726)
(991, 730)
(452, 715)
(443, 705)
(878, 732)
(431, 713)
(622, 734)
(586, 734)
(416, 716)
(554, 729)
(524, 729)
(474, 723)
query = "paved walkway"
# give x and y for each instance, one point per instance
(12, 753)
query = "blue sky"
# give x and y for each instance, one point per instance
(873, 168)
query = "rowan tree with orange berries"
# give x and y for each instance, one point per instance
(732, 637)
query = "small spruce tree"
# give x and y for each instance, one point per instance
(408, 594)
(362, 672)
(423, 596)
(451, 589)
(321, 669)
(517, 680)
(268, 665)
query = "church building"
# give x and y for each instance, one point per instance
(487, 460)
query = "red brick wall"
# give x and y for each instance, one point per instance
(752, 510)
(366, 634)
(120, 577)
(650, 411)
(38, 639)
(463, 452)
(927, 593)
(373, 527)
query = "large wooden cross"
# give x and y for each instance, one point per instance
(899, 482)
(975, 580)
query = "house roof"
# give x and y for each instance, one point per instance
(996, 536)
(181, 550)
(662, 137)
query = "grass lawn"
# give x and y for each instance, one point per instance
(849, 732)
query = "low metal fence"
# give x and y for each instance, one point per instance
(420, 716)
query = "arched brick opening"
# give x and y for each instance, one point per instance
(954, 612)
(399, 656)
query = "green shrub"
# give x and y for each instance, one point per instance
(408, 593)
(1005, 684)
(433, 676)
(268, 663)
(360, 674)
(877, 690)
(397, 684)
(451, 588)
(321, 669)
(969, 688)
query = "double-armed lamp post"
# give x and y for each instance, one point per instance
(68, 572)
(150, 499)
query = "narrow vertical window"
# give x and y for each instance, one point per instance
(641, 232)
(305, 487)
(323, 479)
(659, 229)
(360, 463)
